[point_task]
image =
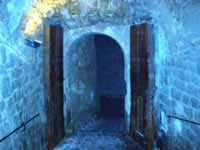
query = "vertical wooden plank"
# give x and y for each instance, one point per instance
(140, 102)
(53, 84)
(139, 80)
(150, 127)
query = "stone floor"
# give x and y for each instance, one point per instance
(98, 141)
(102, 134)
(104, 125)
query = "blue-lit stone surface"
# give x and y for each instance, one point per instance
(16, 11)
(98, 141)
(21, 88)
(118, 33)
(100, 134)
(94, 67)
(177, 53)
(177, 74)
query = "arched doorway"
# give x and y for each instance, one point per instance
(81, 82)
(111, 83)
(94, 81)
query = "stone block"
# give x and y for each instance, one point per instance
(3, 57)
(176, 94)
(1, 120)
(186, 99)
(11, 60)
(198, 68)
(179, 84)
(3, 69)
(195, 79)
(16, 72)
(6, 145)
(195, 103)
(188, 112)
(197, 116)
(2, 106)
(193, 90)
(5, 86)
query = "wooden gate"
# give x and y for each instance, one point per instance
(141, 103)
(53, 84)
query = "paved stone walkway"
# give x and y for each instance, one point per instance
(105, 125)
(98, 141)
(100, 135)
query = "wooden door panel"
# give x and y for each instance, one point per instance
(140, 82)
(139, 75)
(53, 84)
(138, 40)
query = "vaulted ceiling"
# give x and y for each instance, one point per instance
(78, 13)
(29, 15)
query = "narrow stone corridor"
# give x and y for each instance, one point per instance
(99, 74)
(101, 134)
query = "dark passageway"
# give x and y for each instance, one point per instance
(111, 83)
(106, 129)
(99, 74)
(96, 82)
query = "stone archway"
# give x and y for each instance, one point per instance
(81, 77)
(121, 34)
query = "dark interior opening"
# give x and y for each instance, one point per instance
(97, 61)
(111, 83)
(112, 107)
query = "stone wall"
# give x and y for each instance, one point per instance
(21, 89)
(177, 65)
(73, 14)
(80, 80)
(177, 72)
